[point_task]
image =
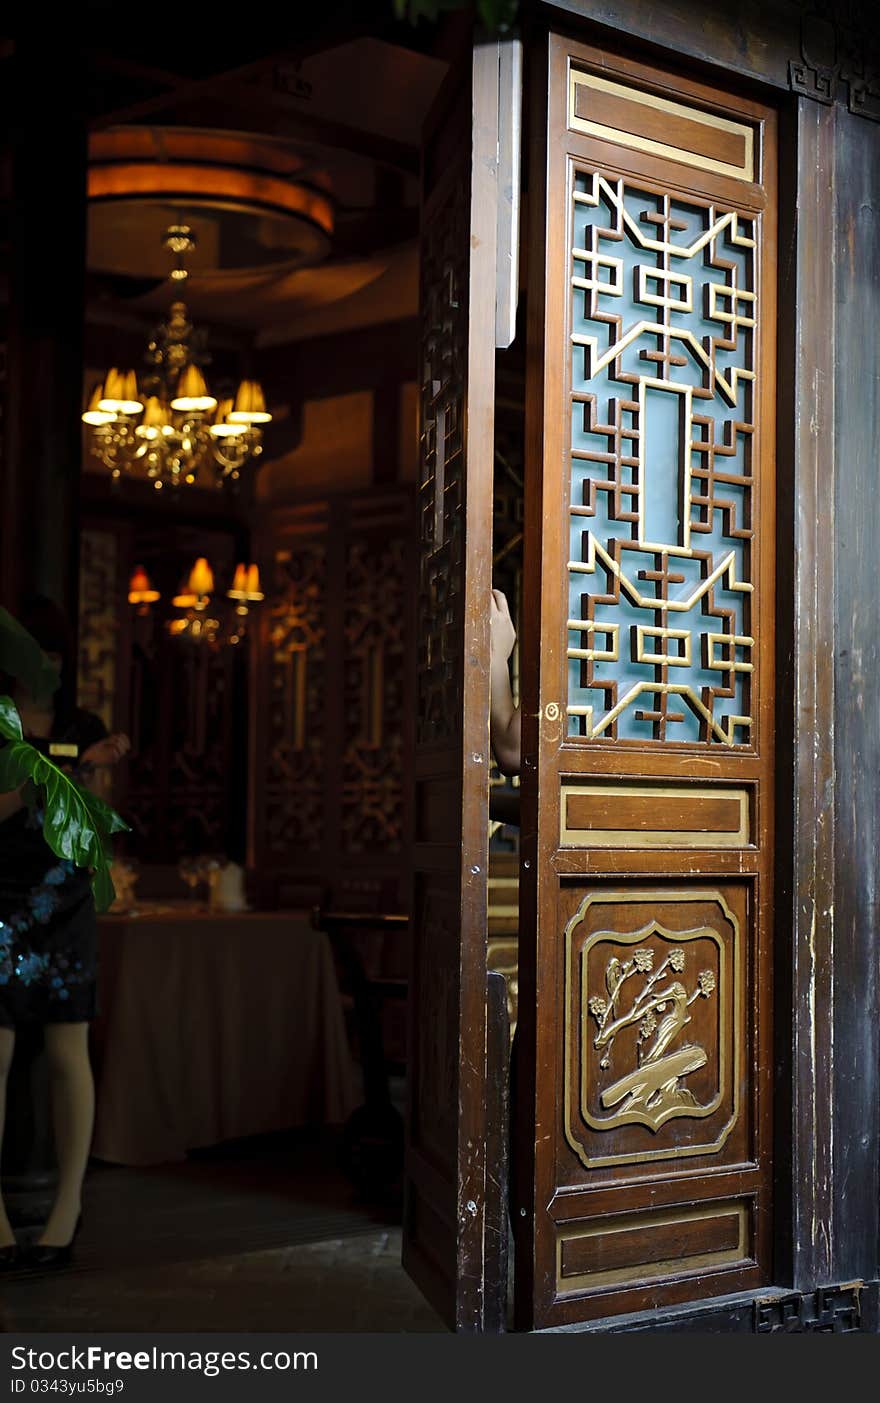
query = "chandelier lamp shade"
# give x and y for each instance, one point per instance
(202, 616)
(196, 592)
(246, 586)
(140, 590)
(169, 426)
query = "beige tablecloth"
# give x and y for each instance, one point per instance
(213, 1027)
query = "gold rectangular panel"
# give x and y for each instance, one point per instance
(644, 1246)
(503, 900)
(646, 815)
(645, 122)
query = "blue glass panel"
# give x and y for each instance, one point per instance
(660, 609)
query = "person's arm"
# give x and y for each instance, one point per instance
(504, 717)
(107, 751)
(96, 761)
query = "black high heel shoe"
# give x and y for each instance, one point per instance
(46, 1254)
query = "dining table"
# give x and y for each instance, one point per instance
(214, 1026)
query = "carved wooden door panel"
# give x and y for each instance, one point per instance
(645, 999)
(445, 1220)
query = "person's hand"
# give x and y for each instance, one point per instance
(501, 632)
(107, 751)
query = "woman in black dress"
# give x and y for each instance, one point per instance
(48, 938)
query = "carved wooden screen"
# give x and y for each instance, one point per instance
(332, 749)
(648, 680)
(445, 1218)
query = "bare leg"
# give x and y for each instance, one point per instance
(7, 1046)
(73, 1113)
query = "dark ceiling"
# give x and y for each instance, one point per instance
(345, 84)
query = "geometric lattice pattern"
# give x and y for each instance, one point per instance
(444, 302)
(374, 677)
(660, 644)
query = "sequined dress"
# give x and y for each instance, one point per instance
(48, 938)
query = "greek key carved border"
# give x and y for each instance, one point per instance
(838, 48)
(827, 1310)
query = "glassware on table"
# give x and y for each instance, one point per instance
(189, 871)
(124, 873)
(209, 869)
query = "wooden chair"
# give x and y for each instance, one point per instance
(372, 1150)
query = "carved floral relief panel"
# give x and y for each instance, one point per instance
(655, 1042)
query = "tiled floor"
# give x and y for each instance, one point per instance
(258, 1237)
(345, 1284)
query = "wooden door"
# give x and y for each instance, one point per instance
(449, 1204)
(645, 1066)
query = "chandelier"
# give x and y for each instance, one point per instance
(170, 426)
(203, 616)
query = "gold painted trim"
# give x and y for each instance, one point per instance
(725, 640)
(609, 654)
(578, 78)
(684, 303)
(655, 838)
(638, 896)
(725, 570)
(673, 635)
(650, 1271)
(602, 187)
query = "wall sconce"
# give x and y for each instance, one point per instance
(245, 591)
(198, 588)
(199, 620)
(140, 590)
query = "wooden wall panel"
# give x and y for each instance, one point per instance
(806, 583)
(333, 701)
(292, 660)
(856, 971)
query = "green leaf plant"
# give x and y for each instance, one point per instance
(22, 657)
(77, 825)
